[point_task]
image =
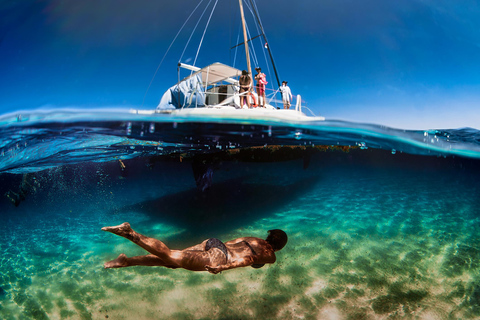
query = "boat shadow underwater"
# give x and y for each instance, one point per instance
(223, 207)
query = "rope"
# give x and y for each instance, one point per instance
(273, 96)
(266, 40)
(254, 55)
(204, 31)
(256, 60)
(261, 44)
(198, 22)
(256, 9)
(236, 50)
(171, 44)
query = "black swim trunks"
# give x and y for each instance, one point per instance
(215, 243)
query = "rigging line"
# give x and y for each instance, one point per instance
(267, 64)
(255, 8)
(204, 31)
(261, 33)
(236, 50)
(171, 44)
(265, 37)
(232, 27)
(254, 55)
(194, 29)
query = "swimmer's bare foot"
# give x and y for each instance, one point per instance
(123, 230)
(120, 230)
(120, 262)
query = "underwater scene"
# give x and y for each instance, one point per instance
(382, 223)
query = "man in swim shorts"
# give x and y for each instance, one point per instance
(211, 255)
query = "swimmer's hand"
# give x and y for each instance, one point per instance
(213, 270)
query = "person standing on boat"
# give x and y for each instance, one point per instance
(245, 82)
(286, 95)
(261, 82)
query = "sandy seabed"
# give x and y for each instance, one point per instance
(362, 245)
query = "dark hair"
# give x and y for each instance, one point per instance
(244, 72)
(277, 239)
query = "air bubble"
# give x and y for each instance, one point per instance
(362, 145)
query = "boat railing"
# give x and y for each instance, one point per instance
(309, 110)
(296, 100)
(226, 95)
(298, 105)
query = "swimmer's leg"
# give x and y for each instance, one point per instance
(154, 246)
(120, 262)
(148, 260)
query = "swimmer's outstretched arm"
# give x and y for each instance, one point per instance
(245, 262)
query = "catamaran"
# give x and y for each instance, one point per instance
(214, 91)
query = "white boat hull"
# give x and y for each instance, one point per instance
(227, 112)
(247, 114)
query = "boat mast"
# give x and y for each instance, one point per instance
(245, 38)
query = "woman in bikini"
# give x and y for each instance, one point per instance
(245, 83)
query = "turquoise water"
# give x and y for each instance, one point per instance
(386, 229)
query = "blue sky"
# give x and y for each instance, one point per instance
(412, 64)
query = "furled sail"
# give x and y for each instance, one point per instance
(185, 94)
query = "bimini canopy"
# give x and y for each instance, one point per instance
(214, 73)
